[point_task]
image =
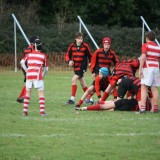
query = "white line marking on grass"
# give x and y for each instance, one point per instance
(125, 134)
(16, 135)
(84, 119)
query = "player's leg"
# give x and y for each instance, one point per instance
(84, 87)
(39, 85)
(23, 91)
(27, 98)
(146, 81)
(84, 96)
(155, 99)
(74, 90)
(107, 105)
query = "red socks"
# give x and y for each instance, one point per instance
(74, 89)
(80, 102)
(105, 96)
(95, 107)
(23, 92)
(85, 88)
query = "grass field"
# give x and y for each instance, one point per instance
(69, 135)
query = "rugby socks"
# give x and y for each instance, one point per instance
(105, 96)
(25, 105)
(143, 108)
(74, 90)
(42, 105)
(102, 102)
(155, 108)
(85, 88)
(80, 102)
(94, 108)
(23, 92)
(90, 96)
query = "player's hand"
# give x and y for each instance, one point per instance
(89, 64)
(71, 63)
(99, 100)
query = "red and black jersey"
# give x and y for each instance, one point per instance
(101, 58)
(100, 85)
(134, 64)
(80, 55)
(122, 69)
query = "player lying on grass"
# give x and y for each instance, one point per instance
(125, 85)
(99, 84)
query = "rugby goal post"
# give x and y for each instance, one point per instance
(16, 23)
(84, 26)
(144, 23)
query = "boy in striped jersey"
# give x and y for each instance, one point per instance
(103, 57)
(149, 71)
(35, 73)
(78, 55)
(29, 49)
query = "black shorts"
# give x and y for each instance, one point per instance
(126, 104)
(126, 85)
(80, 73)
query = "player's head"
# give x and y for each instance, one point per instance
(37, 44)
(33, 38)
(79, 38)
(104, 71)
(150, 36)
(106, 43)
(106, 40)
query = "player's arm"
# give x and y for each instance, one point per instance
(45, 68)
(142, 60)
(23, 63)
(68, 57)
(97, 87)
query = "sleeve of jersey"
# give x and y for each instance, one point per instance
(27, 50)
(97, 86)
(89, 53)
(144, 49)
(116, 60)
(93, 61)
(68, 54)
(113, 81)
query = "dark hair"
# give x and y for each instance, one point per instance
(78, 34)
(150, 35)
(38, 44)
(33, 38)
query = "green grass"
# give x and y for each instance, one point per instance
(69, 135)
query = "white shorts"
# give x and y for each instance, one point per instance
(151, 77)
(36, 84)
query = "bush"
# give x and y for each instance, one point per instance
(125, 41)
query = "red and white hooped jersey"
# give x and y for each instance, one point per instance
(36, 61)
(152, 51)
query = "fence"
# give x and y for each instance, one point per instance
(56, 61)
